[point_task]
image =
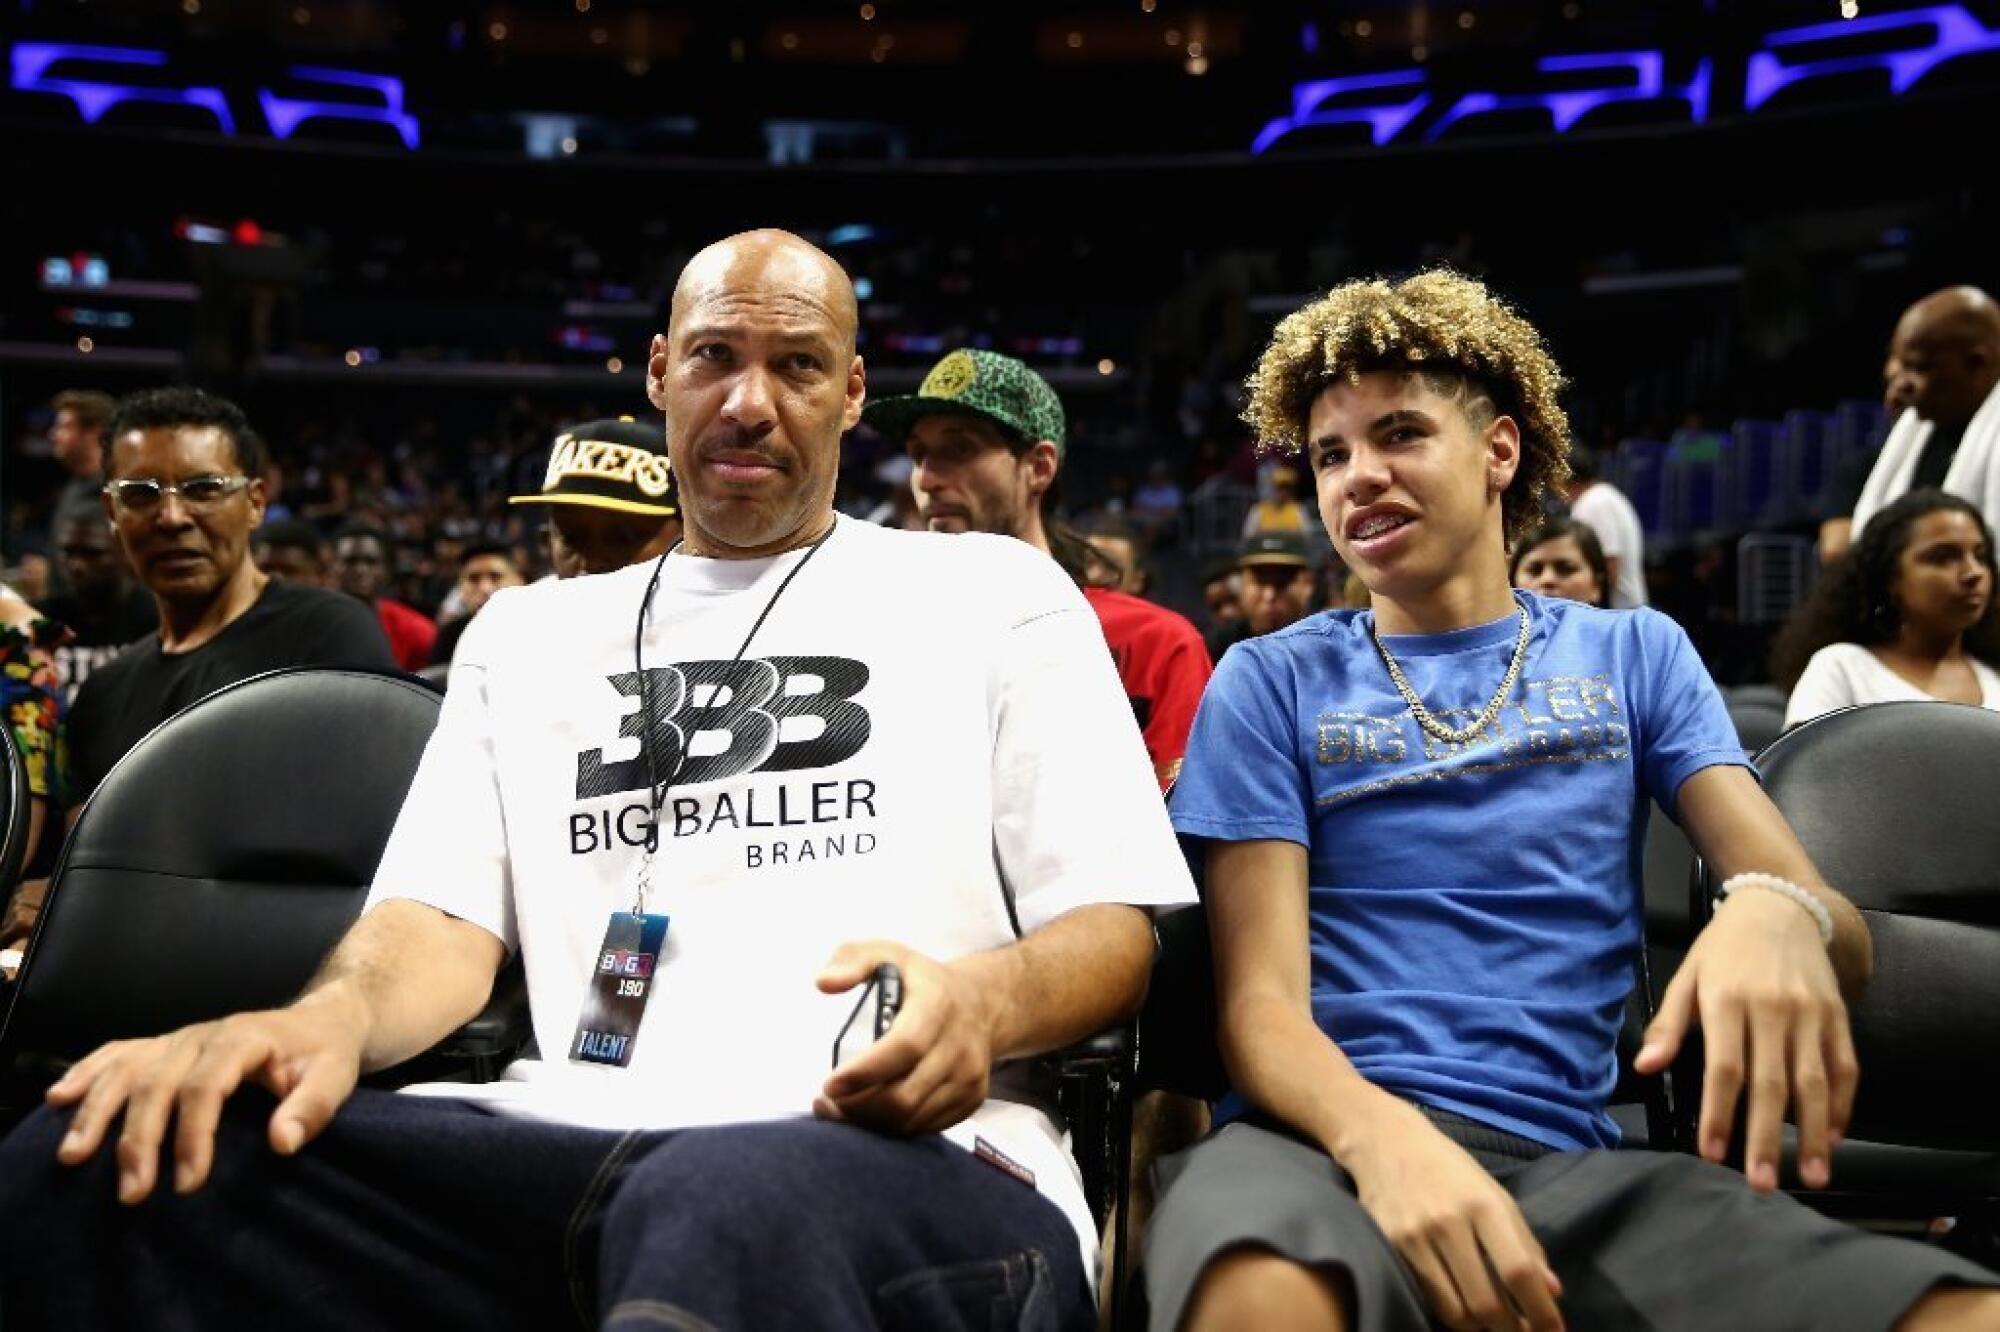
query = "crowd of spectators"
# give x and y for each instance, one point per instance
(381, 559)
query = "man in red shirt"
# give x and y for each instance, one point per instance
(986, 434)
(361, 569)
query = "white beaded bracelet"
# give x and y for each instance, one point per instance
(1783, 888)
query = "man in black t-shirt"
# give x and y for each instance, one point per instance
(104, 608)
(221, 619)
(183, 493)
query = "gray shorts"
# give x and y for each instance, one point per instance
(1639, 1239)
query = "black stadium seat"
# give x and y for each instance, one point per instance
(13, 817)
(1895, 804)
(216, 864)
(1759, 714)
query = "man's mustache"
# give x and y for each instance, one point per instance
(743, 445)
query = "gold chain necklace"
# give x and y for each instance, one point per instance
(1423, 714)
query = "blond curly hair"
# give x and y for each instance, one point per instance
(1447, 329)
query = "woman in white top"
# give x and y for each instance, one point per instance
(1908, 615)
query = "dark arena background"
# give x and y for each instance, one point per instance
(413, 240)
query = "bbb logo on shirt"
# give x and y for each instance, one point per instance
(749, 702)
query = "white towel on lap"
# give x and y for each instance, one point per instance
(1974, 473)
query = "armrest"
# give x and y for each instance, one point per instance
(1111, 1048)
(1176, 1047)
(485, 1045)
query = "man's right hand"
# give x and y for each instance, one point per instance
(1460, 1232)
(308, 1055)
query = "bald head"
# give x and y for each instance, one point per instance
(758, 380)
(1959, 314)
(1945, 357)
(789, 269)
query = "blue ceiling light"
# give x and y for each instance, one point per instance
(31, 62)
(1385, 120)
(1648, 70)
(285, 114)
(1954, 32)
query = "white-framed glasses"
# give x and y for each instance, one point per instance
(144, 494)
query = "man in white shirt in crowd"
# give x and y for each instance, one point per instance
(1605, 510)
(1942, 383)
(847, 747)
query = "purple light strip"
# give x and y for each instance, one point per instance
(1955, 33)
(1385, 120)
(93, 97)
(286, 114)
(1649, 83)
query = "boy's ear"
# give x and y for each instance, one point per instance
(1503, 453)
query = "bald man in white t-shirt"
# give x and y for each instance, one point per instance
(705, 801)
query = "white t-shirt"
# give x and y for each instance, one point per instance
(924, 722)
(1611, 516)
(1846, 675)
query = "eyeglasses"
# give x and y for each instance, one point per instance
(201, 493)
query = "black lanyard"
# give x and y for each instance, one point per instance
(648, 732)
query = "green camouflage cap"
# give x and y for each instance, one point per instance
(972, 382)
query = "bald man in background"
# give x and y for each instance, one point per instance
(1942, 372)
(960, 795)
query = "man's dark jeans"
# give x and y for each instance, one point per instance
(415, 1212)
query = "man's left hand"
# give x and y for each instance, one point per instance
(931, 1070)
(1759, 981)
(19, 921)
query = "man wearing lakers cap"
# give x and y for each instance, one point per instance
(987, 436)
(611, 496)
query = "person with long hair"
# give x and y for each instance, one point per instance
(1909, 615)
(1605, 510)
(1563, 558)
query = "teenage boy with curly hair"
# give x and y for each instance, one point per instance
(1423, 827)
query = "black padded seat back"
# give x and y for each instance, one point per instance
(1757, 695)
(1757, 723)
(14, 799)
(1176, 1036)
(1669, 872)
(1899, 806)
(220, 859)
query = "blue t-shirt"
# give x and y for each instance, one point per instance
(1474, 910)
